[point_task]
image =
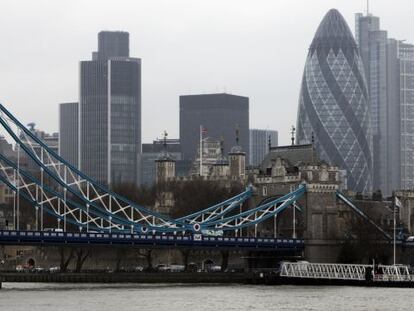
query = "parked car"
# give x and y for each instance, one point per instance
(54, 269)
(162, 268)
(176, 268)
(214, 268)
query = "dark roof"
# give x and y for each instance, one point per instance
(159, 147)
(294, 154)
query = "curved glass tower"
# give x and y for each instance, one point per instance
(333, 103)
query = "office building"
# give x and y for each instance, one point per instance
(50, 140)
(220, 115)
(333, 106)
(401, 113)
(69, 132)
(260, 142)
(110, 112)
(390, 76)
(372, 43)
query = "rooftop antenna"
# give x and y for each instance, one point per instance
(292, 132)
(367, 7)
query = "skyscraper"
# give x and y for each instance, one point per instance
(259, 144)
(372, 43)
(219, 114)
(110, 112)
(389, 64)
(69, 132)
(333, 103)
(406, 91)
(112, 44)
(400, 61)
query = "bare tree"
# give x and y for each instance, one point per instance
(147, 255)
(64, 261)
(224, 260)
(81, 255)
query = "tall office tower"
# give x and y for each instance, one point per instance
(113, 44)
(333, 104)
(260, 143)
(110, 112)
(69, 132)
(372, 43)
(401, 112)
(219, 114)
(406, 87)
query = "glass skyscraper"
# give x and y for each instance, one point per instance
(401, 100)
(110, 112)
(372, 43)
(333, 105)
(259, 144)
(69, 132)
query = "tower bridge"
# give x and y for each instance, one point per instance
(88, 213)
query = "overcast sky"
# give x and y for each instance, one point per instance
(254, 48)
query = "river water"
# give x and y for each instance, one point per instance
(160, 297)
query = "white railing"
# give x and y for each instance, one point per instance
(381, 273)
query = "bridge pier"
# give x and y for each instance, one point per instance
(322, 223)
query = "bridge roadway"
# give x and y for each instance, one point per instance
(13, 237)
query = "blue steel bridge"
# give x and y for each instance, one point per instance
(87, 212)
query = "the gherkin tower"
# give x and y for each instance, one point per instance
(333, 103)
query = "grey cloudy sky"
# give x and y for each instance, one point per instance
(254, 48)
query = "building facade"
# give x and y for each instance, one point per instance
(69, 132)
(372, 43)
(50, 140)
(260, 142)
(405, 66)
(333, 106)
(219, 114)
(110, 112)
(389, 69)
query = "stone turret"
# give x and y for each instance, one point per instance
(165, 171)
(221, 167)
(237, 159)
(164, 165)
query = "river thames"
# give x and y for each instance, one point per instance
(159, 297)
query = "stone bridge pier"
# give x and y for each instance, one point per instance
(323, 223)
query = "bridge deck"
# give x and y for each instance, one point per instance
(12, 237)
